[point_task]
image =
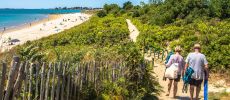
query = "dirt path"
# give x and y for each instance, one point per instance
(159, 71)
(133, 30)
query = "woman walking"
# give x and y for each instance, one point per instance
(175, 58)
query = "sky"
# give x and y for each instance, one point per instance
(60, 3)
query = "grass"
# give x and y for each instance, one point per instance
(219, 96)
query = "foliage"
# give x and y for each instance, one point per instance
(219, 96)
(220, 8)
(128, 5)
(186, 23)
(99, 39)
(169, 11)
(31, 53)
(112, 8)
(101, 13)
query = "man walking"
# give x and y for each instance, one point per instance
(197, 61)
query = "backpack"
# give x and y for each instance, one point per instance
(168, 57)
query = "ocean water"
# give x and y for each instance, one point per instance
(11, 18)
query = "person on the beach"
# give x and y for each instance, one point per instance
(4, 29)
(175, 58)
(197, 61)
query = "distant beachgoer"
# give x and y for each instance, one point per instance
(175, 58)
(197, 61)
(4, 29)
(30, 24)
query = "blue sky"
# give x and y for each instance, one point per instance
(60, 3)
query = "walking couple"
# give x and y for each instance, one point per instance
(195, 60)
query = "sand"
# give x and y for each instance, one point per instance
(46, 27)
(133, 31)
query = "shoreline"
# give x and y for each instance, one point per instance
(54, 24)
(27, 25)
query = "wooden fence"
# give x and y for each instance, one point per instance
(59, 80)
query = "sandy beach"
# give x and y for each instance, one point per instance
(43, 28)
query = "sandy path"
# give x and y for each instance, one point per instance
(41, 30)
(133, 31)
(159, 71)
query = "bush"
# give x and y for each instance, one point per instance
(101, 13)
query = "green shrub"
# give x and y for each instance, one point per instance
(101, 13)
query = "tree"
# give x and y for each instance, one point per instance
(136, 14)
(101, 13)
(128, 5)
(219, 8)
(112, 8)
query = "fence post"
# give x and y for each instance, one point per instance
(3, 79)
(26, 72)
(78, 80)
(158, 54)
(94, 73)
(68, 83)
(71, 87)
(11, 77)
(63, 82)
(59, 73)
(18, 83)
(37, 79)
(162, 57)
(47, 82)
(53, 82)
(75, 80)
(152, 62)
(42, 81)
(31, 81)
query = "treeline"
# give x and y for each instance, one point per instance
(166, 23)
(169, 11)
(116, 10)
(77, 8)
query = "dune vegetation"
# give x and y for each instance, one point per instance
(187, 22)
(168, 23)
(102, 40)
(105, 37)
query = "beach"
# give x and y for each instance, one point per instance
(52, 25)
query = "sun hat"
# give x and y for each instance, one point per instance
(197, 46)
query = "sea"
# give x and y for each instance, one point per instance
(11, 18)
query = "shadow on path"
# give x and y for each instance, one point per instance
(182, 98)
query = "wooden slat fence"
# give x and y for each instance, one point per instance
(55, 81)
(59, 80)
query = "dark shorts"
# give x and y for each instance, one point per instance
(177, 79)
(195, 82)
